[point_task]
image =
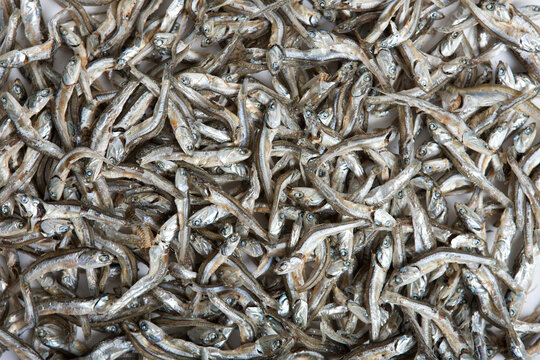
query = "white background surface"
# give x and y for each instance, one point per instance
(533, 299)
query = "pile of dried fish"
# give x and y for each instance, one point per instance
(161, 200)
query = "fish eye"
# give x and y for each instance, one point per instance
(322, 4)
(144, 326)
(462, 211)
(242, 151)
(310, 217)
(400, 194)
(455, 34)
(17, 89)
(5, 209)
(276, 344)
(41, 333)
(392, 70)
(324, 114)
(434, 15)
(185, 81)
(422, 151)
(298, 320)
(283, 267)
(322, 173)
(343, 252)
(24, 199)
(436, 194)
(197, 222)
(207, 41)
(112, 328)
(20, 224)
(432, 126)
(423, 83)
(527, 130)
(211, 337)
(308, 113)
(104, 257)
(63, 228)
(298, 194)
(476, 242)
(160, 165)
(205, 29)
(490, 7)
(428, 168)
(229, 300)
(464, 61)
(190, 147)
(88, 173)
(3, 99)
(398, 280)
(271, 106)
(243, 243)
(158, 42)
(512, 312)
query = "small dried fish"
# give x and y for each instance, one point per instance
(230, 179)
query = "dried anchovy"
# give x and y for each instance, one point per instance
(156, 191)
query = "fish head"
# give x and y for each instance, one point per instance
(272, 344)
(288, 265)
(92, 259)
(406, 275)
(56, 188)
(151, 331)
